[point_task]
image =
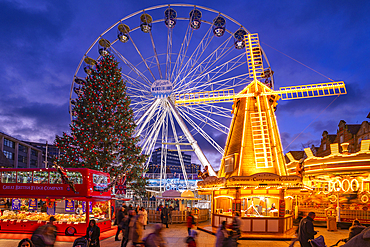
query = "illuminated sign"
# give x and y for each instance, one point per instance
(16, 204)
(32, 204)
(69, 205)
(344, 185)
(173, 184)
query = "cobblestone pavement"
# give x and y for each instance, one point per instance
(176, 234)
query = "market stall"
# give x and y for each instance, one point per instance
(34, 195)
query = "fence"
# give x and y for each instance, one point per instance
(178, 216)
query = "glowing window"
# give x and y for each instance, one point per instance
(40, 177)
(8, 177)
(24, 177)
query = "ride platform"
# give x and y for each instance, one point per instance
(288, 235)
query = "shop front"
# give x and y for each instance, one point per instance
(32, 196)
(260, 200)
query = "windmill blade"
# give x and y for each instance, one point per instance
(311, 91)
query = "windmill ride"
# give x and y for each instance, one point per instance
(252, 181)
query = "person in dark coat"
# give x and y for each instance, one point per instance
(165, 214)
(355, 229)
(93, 234)
(119, 218)
(306, 230)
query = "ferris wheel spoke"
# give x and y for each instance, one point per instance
(142, 58)
(227, 83)
(164, 149)
(222, 50)
(153, 133)
(148, 115)
(182, 52)
(214, 73)
(203, 133)
(215, 110)
(169, 54)
(208, 120)
(136, 83)
(131, 66)
(179, 150)
(156, 55)
(198, 52)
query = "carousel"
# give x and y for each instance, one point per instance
(340, 183)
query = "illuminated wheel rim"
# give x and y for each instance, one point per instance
(163, 55)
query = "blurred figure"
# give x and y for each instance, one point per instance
(25, 243)
(190, 221)
(155, 239)
(160, 207)
(93, 234)
(306, 230)
(137, 209)
(119, 218)
(144, 213)
(165, 214)
(236, 224)
(221, 234)
(128, 226)
(355, 229)
(136, 228)
(191, 239)
(45, 235)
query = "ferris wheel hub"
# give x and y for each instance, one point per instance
(161, 88)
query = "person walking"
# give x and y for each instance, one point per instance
(144, 213)
(190, 221)
(165, 213)
(221, 234)
(190, 240)
(355, 229)
(155, 239)
(93, 234)
(45, 235)
(306, 230)
(118, 221)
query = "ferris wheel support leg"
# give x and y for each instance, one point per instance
(199, 153)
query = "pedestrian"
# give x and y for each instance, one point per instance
(144, 213)
(355, 229)
(136, 229)
(93, 234)
(190, 221)
(160, 207)
(236, 224)
(221, 234)
(137, 209)
(306, 230)
(45, 235)
(119, 218)
(155, 239)
(125, 229)
(165, 214)
(190, 240)
(26, 243)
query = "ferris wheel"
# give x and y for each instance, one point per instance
(167, 52)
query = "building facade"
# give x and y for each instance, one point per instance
(173, 164)
(19, 154)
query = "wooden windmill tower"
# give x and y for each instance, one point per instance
(253, 144)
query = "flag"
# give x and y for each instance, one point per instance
(121, 186)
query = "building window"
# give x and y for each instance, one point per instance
(324, 146)
(33, 163)
(229, 164)
(9, 155)
(22, 148)
(22, 159)
(33, 152)
(341, 139)
(9, 143)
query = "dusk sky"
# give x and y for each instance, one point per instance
(43, 42)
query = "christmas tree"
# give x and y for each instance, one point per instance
(102, 129)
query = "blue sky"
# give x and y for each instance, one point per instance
(43, 42)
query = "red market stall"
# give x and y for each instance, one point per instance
(33, 195)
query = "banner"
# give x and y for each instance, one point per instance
(84, 207)
(32, 204)
(69, 205)
(51, 210)
(16, 204)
